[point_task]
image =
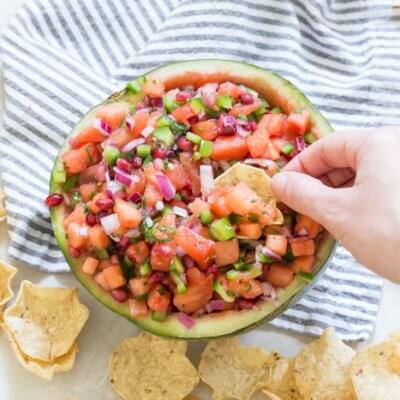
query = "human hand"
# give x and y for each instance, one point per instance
(350, 183)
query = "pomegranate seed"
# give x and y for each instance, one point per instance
(104, 204)
(193, 120)
(156, 102)
(120, 295)
(114, 259)
(91, 219)
(183, 96)
(123, 243)
(54, 200)
(136, 162)
(157, 277)
(159, 152)
(226, 125)
(213, 270)
(188, 261)
(247, 98)
(184, 144)
(251, 126)
(135, 197)
(245, 304)
(75, 253)
(124, 165)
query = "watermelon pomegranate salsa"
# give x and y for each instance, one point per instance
(142, 224)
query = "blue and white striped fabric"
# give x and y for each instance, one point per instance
(61, 57)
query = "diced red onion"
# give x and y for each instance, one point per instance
(245, 304)
(268, 289)
(124, 179)
(224, 165)
(114, 259)
(133, 233)
(188, 261)
(159, 205)
(206, 178)
(242, 132)
(143, 110)
(209, 99)
(149, 222)
(120, 295)
(135, 197)
(300, 143)
(271, 254)
(133, 144)
(130, 122)
(262, 162)
(208, 88)
(180, 212)
(107, 175)
(179, 251)
(158, 164)
(83, 231)
(302, 232)
(167, 189)
(157, 277)
(102, 126)
(112, 187)
(215, 305)
(110, 223)
(147, 131)
(186, 321)
(227, 125)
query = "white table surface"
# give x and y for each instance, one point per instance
(88, 379)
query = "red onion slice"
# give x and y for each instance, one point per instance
(143, 110)
(271, 254)
(180, 212)
(186, 321)
(262, 162)
(166, 187)
(180, 252)
(133, 144)
(102, 126)
(300, 143)
(206, 178)
(215, 305)
(110, 223)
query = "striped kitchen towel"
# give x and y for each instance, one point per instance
(61, 57)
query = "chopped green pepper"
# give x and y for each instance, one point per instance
(255, 271)
(101, 254)
(164, 135)
(309, 138)
(262, 109)
(263, 258)
(289, 257)
(72, 181)
(206, 217)
(192, 137)
(159, 316)
(75, 198)
(197, 105)
(134, 86)
(145, 269)
(176, 265)
(276, 110)
(166, 210)
(231, 274)
(163, 121)
(218, 288)
(221, 229)
(287, 149)
(306, 276)
(111, 154)
(169, 103)
(206, 148)
(254, 218)
(179, 129)
(179, 282)
(235, 219)
(143, 150)
(224, 101)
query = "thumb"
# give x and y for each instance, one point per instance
(309, 196)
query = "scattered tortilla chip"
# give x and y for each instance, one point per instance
(321, 369)
(147, 367)
(7, 272)
(2, 207)
(255, 178)
(280, 383)
(45, 321)
(372, 372)
(234, 371)
(40, 368)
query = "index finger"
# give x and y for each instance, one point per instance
(338, 150)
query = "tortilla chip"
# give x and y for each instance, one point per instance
(147, 367)
(280, 384)
(255, 178)
(7, 272)
(321, 369)
(45, 321)
(2, 207)
(234, 371)
(40, 368)
(373, 374)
